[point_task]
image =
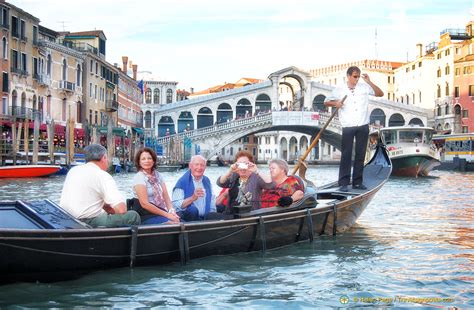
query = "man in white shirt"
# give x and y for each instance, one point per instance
(354, 118)
(91, 195)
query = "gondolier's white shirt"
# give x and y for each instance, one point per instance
(355, 110)
(86, 189)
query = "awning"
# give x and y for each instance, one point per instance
(138, 130)
(116, 131)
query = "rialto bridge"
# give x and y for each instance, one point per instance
(288, 100)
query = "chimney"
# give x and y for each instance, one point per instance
(134, 67)
(124, 62)
(420, 49)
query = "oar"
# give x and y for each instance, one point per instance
(301, 164)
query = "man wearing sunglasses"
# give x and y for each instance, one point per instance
(354, 118)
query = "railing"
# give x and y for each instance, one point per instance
(5, 25)
(111, 105)
(25, 113)
(80, 46)
(197, 133)
(19, 71)
(68, 86)
(42, 79)
(23, 38)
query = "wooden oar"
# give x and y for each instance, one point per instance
(301, 164)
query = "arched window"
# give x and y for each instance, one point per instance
(438, 113)
(446, 109)
(169, 96)
(156, 96)
(148, 96)
(64, 70)
(78, 75)
(48, 67)
(4, 48)
(447, 89)
(438, 92)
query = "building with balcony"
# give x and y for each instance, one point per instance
(130, 98)
(23, 49)
(57, 77)
(5, 61)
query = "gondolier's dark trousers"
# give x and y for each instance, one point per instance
(361, 135)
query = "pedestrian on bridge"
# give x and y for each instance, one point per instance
(354, 118)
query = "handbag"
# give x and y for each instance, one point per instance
(133, 204)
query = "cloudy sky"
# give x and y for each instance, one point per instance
(204, 43)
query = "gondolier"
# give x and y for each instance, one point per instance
(354, 118)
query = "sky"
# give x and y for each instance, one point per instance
(205, 43)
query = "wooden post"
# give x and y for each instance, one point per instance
(110, 138)
(72, 127)
(35, 137)
(14, 142)
(26, 140)
(50, 129)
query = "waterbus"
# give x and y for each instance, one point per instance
(456, 148)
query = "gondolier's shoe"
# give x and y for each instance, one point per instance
(359, 186)
(344, 188)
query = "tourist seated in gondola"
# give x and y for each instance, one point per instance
(91, 195)
(244, 181)
(288, 189)
(150, 190)
(192, 194)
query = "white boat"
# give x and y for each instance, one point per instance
(411, 150)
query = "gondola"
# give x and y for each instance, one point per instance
(39, 241)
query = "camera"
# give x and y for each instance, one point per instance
(242, 165)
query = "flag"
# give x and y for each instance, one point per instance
(140, 85)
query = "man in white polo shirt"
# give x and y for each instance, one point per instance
(91, 195)
(354, 118)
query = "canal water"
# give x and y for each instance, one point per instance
(412, 247)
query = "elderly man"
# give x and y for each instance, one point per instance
(91, 195)
(192, 194)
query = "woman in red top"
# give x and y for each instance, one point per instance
(287, 186)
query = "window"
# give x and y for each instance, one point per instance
(438, 92)
(465, 113)
(15, 60)
(14, 28)
(446, 70)
(420, 64)
(447, 52)
(35, 67)
(35, 35)
(63, 114)
(78, 75)
(90, 116)
(5, 83)
(471, 90)
(22, 30)
(447, 89)
(388, 79)
(90, 90)
(388, 96)
(438, 73)
(465, 129)
(413, 67)
(95, 91)
(5, 18)
(456, 92)
(446, 109)
(148, 96)
(457, 71)
(23, 62)
(419, 96)
(169, 95)
(4, 48)
(96, 68)
(95, 117)
(156, 96)
(64, 70)
(48, 66)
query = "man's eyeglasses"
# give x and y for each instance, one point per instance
(356, 76)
